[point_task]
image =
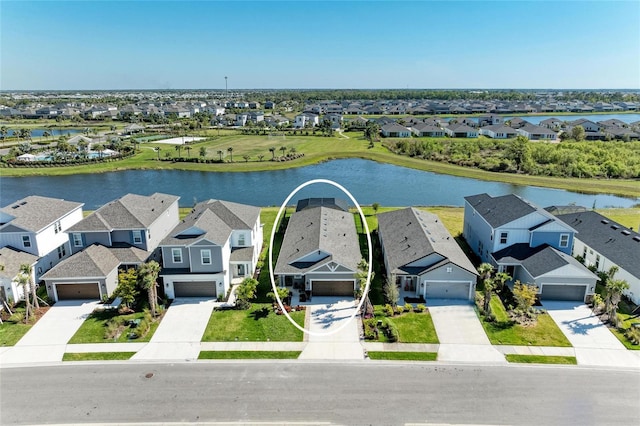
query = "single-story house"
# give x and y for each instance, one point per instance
(394, 130)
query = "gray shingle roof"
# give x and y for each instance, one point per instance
(132, 211)
(498, 211)
(12, 259)
(34, 213)
(611, 243)
(537, 260)
(333, 203)
(242, 254)
(319, 229)
(410, 234)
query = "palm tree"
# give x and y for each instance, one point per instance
(147, 276)
(27, 270)
(283, 149)
(246, 158)
(23, 280)
(485, 270)
(158, 149)
(272, 150)
(501, 278)
(63, 148)
(220, 152)
(230, 151)
(46, 134)
(260, 157)
(203, 151)
(100, 148)
(179, 148)
(614, 294)
(188, 148)
(4, 131)
(292, 150)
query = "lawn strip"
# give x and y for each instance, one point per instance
(249, 355)
(97, 356)
(541, 359)
(403, 356)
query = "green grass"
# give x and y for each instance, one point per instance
(97, 356)
(413, 327)
(628, 217)
(258, 324)
(505, 332)
(11, 332)
(93, 328)
(541, 359)
(249, 355)
(316, 149)
(404, 356)
(626, 320)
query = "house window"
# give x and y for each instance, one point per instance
(449, 269)
(57, 227)
(26, 241)
(584, 252)
(176, 254)
(597, 261)
(503, 237)
(241, 240)
(137, 237)
(205, 256)
(77, 240)
(564, 240)
(62, 251)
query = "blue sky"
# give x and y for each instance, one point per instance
(328, 44)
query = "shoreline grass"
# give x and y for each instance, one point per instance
(403, 356)
(541, 359)
(249, 354)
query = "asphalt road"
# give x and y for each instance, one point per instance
(346, 393)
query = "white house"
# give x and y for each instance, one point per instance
(11, 260)
(306, 120)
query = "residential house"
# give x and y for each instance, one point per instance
(306, 119)
(335, 120)
(269, 105)
(428, 130)
(587, 125)
(517, 122)
(528, 243)
(394, 130)
(425, 259)
(320, 252)
(38, 226)
(11, 261)
(552, 123)
(489, 120)
(498, 131)
(133, 128)
(217, 243)
(533, 132)
(254, 105)
(604, 243)
(460, 130)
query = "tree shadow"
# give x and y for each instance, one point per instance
(259, 314)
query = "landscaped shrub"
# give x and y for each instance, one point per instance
(399, 310)
(392, 333)
(370, 329)
(633, 335)
(420, 307)
(114, 328)
(408, 307)
(388, 310)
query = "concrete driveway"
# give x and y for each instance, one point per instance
(593, 342)
(327, 314)
(178, 335)
(47, 339)
(461, 335)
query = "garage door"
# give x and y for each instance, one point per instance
(447, 290)
(78, 291)
(332, 288)
(563, 292)
(194, 289)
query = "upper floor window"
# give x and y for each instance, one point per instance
(57, 227)
(77, 239)
(449, 269)
(564, 240)
(503, 237)
(137, 237)
(62, 251)
(598, 261)
(584, 251)
(205, 256)
(176, 254)
(26, 241)
(241, 240)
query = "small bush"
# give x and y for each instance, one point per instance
(399, 310)
(392, 333)
(633, 335)
(388, 310)
(408, 307)
(420, 308)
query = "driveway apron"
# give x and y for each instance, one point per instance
(462, 338)
(593, 342)
(178, 335)
(47, 339)
(327, 314)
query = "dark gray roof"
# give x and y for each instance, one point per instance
(242, 254)
(558, 210)
(319, 229)
(332, 203)
(235, 215)
(34, 213)
(498, 211)
(12, 259)
(394, 127)
(132, 211)
(410, 234)
(622, 249)
(537, 260)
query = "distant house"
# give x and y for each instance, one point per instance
(254, 105)
(320, 252)
(428, 130)
(489, 120)
(306, 120)
(241, 120)
(528, 243)
(133, 128)
(587, 125)
(217, 244)
(12, 260)
(498, 131)
(26, 157)
(269, 105)
(533, 132)
(394, 130)
(604, 243)
(423, 257)
(460, 130)
(38, 226)
(517, 122)
(552, 123)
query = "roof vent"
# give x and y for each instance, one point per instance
(636, 238)
(616, 227)
(605, 221)
(625, 232)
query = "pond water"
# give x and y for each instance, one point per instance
(36, 133)
(536, 119)
(368, 181)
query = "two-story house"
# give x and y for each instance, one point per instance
(11, 261)
(216, 245)
(320, 252)
(424, 258)
(604, 243)
(528, 243)
(38, 226)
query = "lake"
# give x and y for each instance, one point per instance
(368, 181)
(536, 119)
(36, 133)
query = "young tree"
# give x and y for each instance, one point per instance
(375, 207)
(246, 158)
(220, 152)
(283, 149)
(525, 295)
(245, 292)
(361, 276)
(188, 148)
(158, 149)
(577, 133)
(127, 286)
(203, 151)
(179, 149)
(147, 278)
(230, 151)
(260, 157)
(23, 280)
(27, 271)
(390, 290)
(485, 270)
(283, 293)
(614, 295)
(272, 150)
(519, 151)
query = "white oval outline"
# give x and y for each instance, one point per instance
(273, 233)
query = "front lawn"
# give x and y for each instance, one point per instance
(12, 332)
(97, 356)
(404, 356)
(542, 359)
(93, 329)
(503, 331)
(412, 327)
(626, 322)
(258, 324)
(249, 355)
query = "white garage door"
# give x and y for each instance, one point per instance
(447, 290)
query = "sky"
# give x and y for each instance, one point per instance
(109, 45)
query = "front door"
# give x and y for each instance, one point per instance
(241, 272)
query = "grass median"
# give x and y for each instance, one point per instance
(541, 359)
(249, 355)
